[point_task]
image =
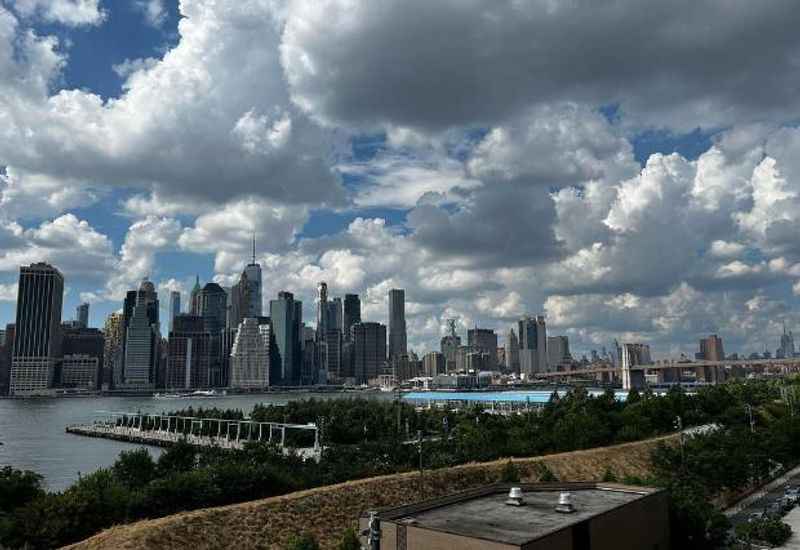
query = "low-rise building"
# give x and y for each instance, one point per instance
(556, 516)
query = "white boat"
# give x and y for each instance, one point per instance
(199, 394)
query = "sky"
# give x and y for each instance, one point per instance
(629, 169)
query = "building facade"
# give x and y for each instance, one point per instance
(351, 313)
(433, 364)
(557, 351)
(82, 315)
(397, 322)
(37, 337)
(287, 320)
(532, 336)
(189, 354)
(484, 340)
(250, 356)
(174, 307)
(711, 349)
(369, 351)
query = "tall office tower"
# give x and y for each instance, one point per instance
(557, 351)
(189, 354)
(369, 351)
(512, 352)
(333, 356)
(397, 322)
(351, 313)
(251, 355)
(2, 337)
(142, 338)
(213, 307)
(246, 295)
(82, 315)
(532, 345)
(286, 319)
(787, 344)
(335, 314)
(711, 349)
(194, 297)
(5, 359)
(37, 339)
(484, 340)
(174, 307)
(113, 350)
(322, 310)
(433, 364)
(255, 306)
(449, 346)
(86, 347)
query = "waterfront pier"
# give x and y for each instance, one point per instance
(163, 431)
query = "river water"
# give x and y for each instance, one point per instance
(33, 437)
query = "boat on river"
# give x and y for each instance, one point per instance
(199, 394)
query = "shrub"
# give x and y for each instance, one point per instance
(304, 541)
(544, 473)
(349, 540)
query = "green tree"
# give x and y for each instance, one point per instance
(18, 487)
(180, 457)
(134, 469)
(349, 540)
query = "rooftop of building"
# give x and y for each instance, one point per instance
(484, 514)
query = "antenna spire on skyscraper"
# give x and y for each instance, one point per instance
(254, 247)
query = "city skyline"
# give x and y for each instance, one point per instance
(641, 211)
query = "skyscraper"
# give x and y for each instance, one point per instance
(335, 314)
(174, 307)
(246, 295)
(532, 345)
(397, 322)
(322, 310)
(189, 354)
(5, 359)
(351, 313)
(449, 346)
(286, 319)
(786, 349)
(557, 351)
(484, 341)
(194, 297)
(82, 315)
(213, 307)
(142, 339)
(113, 349)
(512, 351)
(369, 351)
(37, 339)
(85, 348)
(253, 272)
(250, 355)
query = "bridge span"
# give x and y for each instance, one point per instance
(672, 371)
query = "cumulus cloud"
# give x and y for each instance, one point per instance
(456, 63)
(67, 242)
(72, 13)
(8, 292)
(154, 11)
(200, 123)
(144, 240)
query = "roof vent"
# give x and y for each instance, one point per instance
(565, 503)
(515, 497)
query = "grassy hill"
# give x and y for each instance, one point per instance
(328, 511)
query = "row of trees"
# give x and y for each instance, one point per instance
(363, 438)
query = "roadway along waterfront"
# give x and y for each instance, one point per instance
(33, 436)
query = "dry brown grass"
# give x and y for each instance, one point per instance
(328, 511)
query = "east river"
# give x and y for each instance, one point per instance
(33, 437)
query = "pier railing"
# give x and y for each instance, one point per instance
(159, 429)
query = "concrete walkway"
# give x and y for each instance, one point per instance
(793, 519)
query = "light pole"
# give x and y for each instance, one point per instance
(749, 409)
(678, 424)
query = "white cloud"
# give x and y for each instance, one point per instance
(725, 249)
(154, 11)
(8, 292)
(144, 240)
(72, 13)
